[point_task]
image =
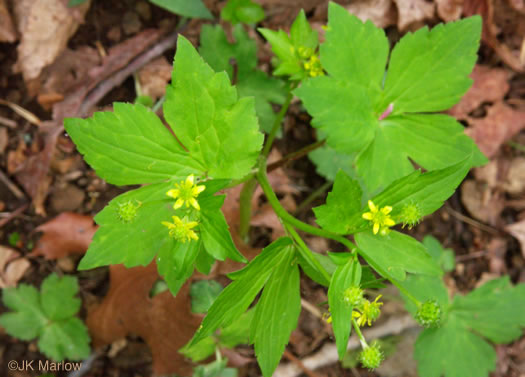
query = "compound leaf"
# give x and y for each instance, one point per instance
(66, 339)
(202, 107)
(276, 313)
(58, 297)
(345, 276)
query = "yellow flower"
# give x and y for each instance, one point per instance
(368, 313)
(186, 192)
(313, 66)
(380, 218)
(181, 230)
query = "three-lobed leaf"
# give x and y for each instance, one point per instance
(49, 316)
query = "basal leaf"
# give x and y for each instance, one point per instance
(130, 146)
(203, 293)
(219, 130)
(342, 203)
(496, 310)
(354, 52)
(65, 339)
(57, 297)
(395, 254)
(428, 70)
(345, 276)
(245, 11)
(453, 351)
(276, 313)
(192, 9)
(237, 297)
(27, 318)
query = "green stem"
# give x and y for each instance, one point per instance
(362, 339)
(286, 217)
(245, 202)
(296, 155)
(306, 252)
(277, 124)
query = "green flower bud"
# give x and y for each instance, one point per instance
(128, 211)
(410, 215)
(429, 314)
(371, 356)
(353, 296)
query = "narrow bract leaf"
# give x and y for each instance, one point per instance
(395, 254)
(345, 276)
(276, 313)
(237, 297)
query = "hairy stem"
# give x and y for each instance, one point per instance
(362, 339)
(277, 124)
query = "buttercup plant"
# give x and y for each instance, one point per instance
(372, 117)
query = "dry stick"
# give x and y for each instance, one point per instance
(472, 222)
(119, 77)
(328, 353)
(11, 186)
(17, 212)
(7, 122)
(299, 364)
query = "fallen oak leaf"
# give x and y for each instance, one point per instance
(68, 233)
(164, 322)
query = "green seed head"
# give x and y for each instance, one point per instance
(353, 296)
(127, 211)
(410, 215)
(371, 357)
(429, 314)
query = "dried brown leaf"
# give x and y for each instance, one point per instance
(482, 203)
(501, 124)
(12, 267)
(517, 230)
(7, 29)
(490, 85)
(449, 10)
(68, 233)
(381, 12)
(45, 27)
(164, 322)
(413, 12)
(154, 76)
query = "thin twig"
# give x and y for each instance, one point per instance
(298, 362)
(7, 122)
(471, 221)
(11, 186)
(328, 353)
(295, 155)
(26, 114)
(14, 214)
(311, 309)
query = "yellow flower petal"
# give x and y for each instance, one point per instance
(376, 228)
(368, 216)
(389, 222)
(372, 206)
(178, 204)
(173, 193)
(197, 190)
(194, 203)
(386, 210)
(190, 180)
